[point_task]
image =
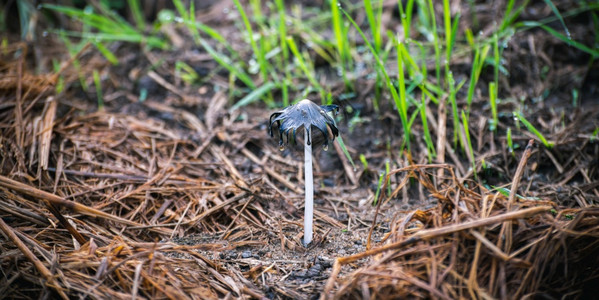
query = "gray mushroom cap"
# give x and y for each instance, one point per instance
(304, 114)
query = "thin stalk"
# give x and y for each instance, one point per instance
(437, 48)
(493, 101)
(447, 23)
(309, 186)
(284, 49)
(98, 84)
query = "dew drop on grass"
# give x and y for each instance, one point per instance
(45, 34)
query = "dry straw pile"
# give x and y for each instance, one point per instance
(477, 246)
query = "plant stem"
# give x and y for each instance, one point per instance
(309, 184)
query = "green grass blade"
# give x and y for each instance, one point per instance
(563, 38)
(98, 84)
(559, 16)
(406, 16)
(431, 11)
(138, 16)
(532, 129)
(340, 40)
(401, 102)
(493, 101)
(378, 189)
(379, 63)
(448, 36)
(510, 143)
(225, 62)
(477, 66)
(344, 149)
(257, 51)
(284, 49)
(107, 53)
(254, 95)
(302, 64)
(363, 161)
(375, 28)
(511, 16)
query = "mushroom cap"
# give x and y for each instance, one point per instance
(304, 114)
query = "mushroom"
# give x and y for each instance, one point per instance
(306, 114)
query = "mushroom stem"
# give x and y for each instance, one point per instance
(309, 186)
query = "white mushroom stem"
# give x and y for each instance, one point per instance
(309, 186)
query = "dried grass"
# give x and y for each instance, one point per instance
(113, 182)
(476, 244)
(91, 202)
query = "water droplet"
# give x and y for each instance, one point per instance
(225, 10)
(480, 33)
(178, 19)
(325, 147)
(38, 7)
(281, 147)
(568, 34)
(403, 16)
(45, 34)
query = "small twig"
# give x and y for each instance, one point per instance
(19, 95)
(441, 135)
(349, 170)
(519, 171)
(57, 200)
(165, 84)
(78, 236)
(102, 175)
